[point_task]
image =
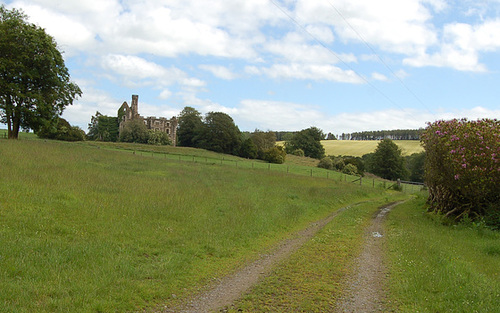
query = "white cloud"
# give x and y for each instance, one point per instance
(461, 46)
(276, 115)
(165, 94)
(307, 72)
(137, 71)
(380, 77)
(394, 25)
(219, 71)
(295, 48)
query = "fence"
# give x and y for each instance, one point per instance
(405, 186)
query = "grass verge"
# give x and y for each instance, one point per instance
(438, 268)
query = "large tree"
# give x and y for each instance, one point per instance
(264, 141)
(190, 124)
(387, 161)
(103, 128)
(219, 134)
(35, 84)
(134, 131)
(309, 141)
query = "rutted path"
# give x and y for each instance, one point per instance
(366, 288)
(232, 287)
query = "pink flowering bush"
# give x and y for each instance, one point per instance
(463, 168)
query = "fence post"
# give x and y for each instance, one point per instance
(360, 181)
(311, 173)
(287, 169)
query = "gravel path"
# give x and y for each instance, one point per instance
(366, 288)
(232, 287)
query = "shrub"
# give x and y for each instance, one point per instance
(134, 131)
(275, 155)
(61, 130)
(248, 149)
(298, 152)
(326, 162)
(159, 138)
(462, 168)
(350, 169)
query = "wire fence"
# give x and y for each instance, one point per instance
(405, 186)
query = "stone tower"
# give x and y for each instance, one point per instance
(134, 106)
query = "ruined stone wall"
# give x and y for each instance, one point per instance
(162, 124)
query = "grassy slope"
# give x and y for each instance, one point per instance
(437, 268)
(89, 229)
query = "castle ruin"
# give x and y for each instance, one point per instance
(127, 113)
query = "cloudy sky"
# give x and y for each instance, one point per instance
(340, 65)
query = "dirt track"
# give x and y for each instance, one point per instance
(232, 287)
(365, 289)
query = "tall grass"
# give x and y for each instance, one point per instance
(89, 229)
(438, 268)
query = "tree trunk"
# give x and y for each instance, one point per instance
(13, 127)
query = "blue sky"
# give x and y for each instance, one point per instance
(340, 65)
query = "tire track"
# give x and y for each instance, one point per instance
(232, 287)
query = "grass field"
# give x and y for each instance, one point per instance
(362, 147)
(83, 228)
(106, 227)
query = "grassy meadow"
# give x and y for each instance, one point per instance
(85, 228)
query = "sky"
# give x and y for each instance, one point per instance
(282, 65)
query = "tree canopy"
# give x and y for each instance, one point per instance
(61, 130)
(134, 131)
(35, 84)
(219, 133)
(308, 140)
(387, 161)
(190, 123)
(103, 128)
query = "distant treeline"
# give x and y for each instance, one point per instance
(398, 134)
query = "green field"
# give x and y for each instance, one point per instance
(362, 147)
(102, 227)
(84, 228)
